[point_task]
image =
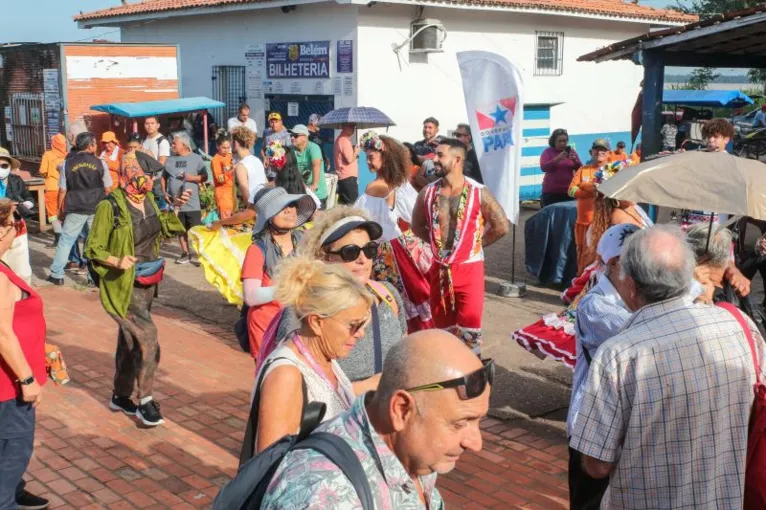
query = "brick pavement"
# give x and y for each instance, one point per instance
(87, 457)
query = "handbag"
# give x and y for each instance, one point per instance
(150, 273)
(755, 466)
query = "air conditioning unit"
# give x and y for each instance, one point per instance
(427, 36)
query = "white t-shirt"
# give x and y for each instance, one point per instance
(235, 122)
(256, 176)
(157, 151)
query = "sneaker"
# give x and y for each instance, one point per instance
(55, 281)
(183, 259)
(195, 261)
(149, 414)
(124, 404)
(79, 270)
(27, 501)
(70, 266)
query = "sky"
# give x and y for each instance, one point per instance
(51, 21)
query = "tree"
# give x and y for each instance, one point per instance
(708, 8)
(758, 76)
(700, 78)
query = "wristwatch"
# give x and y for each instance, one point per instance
(26, 382)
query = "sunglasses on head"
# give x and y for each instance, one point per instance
(350, 252)
(469, 386)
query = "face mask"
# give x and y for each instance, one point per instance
(5, 172)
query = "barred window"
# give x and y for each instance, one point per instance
(549, 53)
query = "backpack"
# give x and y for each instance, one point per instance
(240, 327)
(247, 489)
(755, 466)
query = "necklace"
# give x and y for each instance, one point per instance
(343, 394)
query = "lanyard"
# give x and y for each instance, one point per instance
(337, 388)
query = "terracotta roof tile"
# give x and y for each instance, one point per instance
(616, 8)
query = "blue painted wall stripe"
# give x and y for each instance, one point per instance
(532, 151)
(536, 132)
(533, 113)
(530, 170)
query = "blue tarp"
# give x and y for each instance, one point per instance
(550, 251)
(711, 98)
(146, 108)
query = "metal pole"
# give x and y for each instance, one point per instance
(513, 257)
(204, 128)
(513, 288)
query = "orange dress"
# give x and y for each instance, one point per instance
(224, 185)
(585, 207)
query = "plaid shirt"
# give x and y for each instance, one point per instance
(668, 402)
(307, 480)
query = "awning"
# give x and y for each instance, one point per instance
(164, 107)
(711, 98)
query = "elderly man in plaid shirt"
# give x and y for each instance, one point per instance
(666, 405)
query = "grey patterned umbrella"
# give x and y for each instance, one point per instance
(363, 116)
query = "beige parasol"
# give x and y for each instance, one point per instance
(707, 181)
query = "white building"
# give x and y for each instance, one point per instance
(229, 50)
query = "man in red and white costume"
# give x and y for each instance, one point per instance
(458, 217)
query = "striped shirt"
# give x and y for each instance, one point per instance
(668, 402)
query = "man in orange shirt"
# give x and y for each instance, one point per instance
(49, 169)
(584, 190)
(346, 165)
(619, 153)
(112, 155)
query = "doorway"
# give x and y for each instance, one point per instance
(228, 88)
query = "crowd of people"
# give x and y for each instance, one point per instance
(329, 293)
(373, 309)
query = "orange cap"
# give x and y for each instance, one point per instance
(109, 136)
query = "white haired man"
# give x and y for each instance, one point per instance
(425, 413)
(184, 170)
(666, 406)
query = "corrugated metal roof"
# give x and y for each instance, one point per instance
(616, 8)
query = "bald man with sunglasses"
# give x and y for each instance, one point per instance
(425, 413)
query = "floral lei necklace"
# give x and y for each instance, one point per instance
(445, 273)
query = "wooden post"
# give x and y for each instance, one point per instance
(651, 116)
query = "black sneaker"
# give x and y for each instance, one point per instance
(55, 281)
(124, 404)
(149, 414)
(27, 501)
(183, 259)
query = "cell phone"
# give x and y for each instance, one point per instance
(568, 149)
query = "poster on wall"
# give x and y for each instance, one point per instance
(52, 102)
(295, 87)
(298, 60)
(344, 60)
(337, 86)
(348, 85)
(292, 109)
(255, 55)
(8, 123)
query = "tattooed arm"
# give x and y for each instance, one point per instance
(419, 224)
(494, 218)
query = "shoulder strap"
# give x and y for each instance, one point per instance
(248, 443)
(377, 341)
(340, 453)
(748, 334)
(115, 210)
(382, 292)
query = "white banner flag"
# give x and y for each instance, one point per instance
(493, 97)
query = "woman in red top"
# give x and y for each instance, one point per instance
(275, 235)
(22, 372)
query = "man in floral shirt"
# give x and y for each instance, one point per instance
(415, 426)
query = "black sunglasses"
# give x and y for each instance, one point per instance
(467, 387)
(350, 252)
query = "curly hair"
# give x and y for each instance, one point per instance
(718, 127)
(310, 246)
(602, 220)
(243, 137)
(395, 169)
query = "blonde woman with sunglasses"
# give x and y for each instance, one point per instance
(333, 309)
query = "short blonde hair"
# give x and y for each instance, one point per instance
(313, 287)
(310, 245)
(243, 136)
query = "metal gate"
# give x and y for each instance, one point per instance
(28, 124)
(286, 104)
(229, 88)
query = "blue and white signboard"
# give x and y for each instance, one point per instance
(296, 60)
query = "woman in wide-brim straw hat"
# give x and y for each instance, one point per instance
(275, 235)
